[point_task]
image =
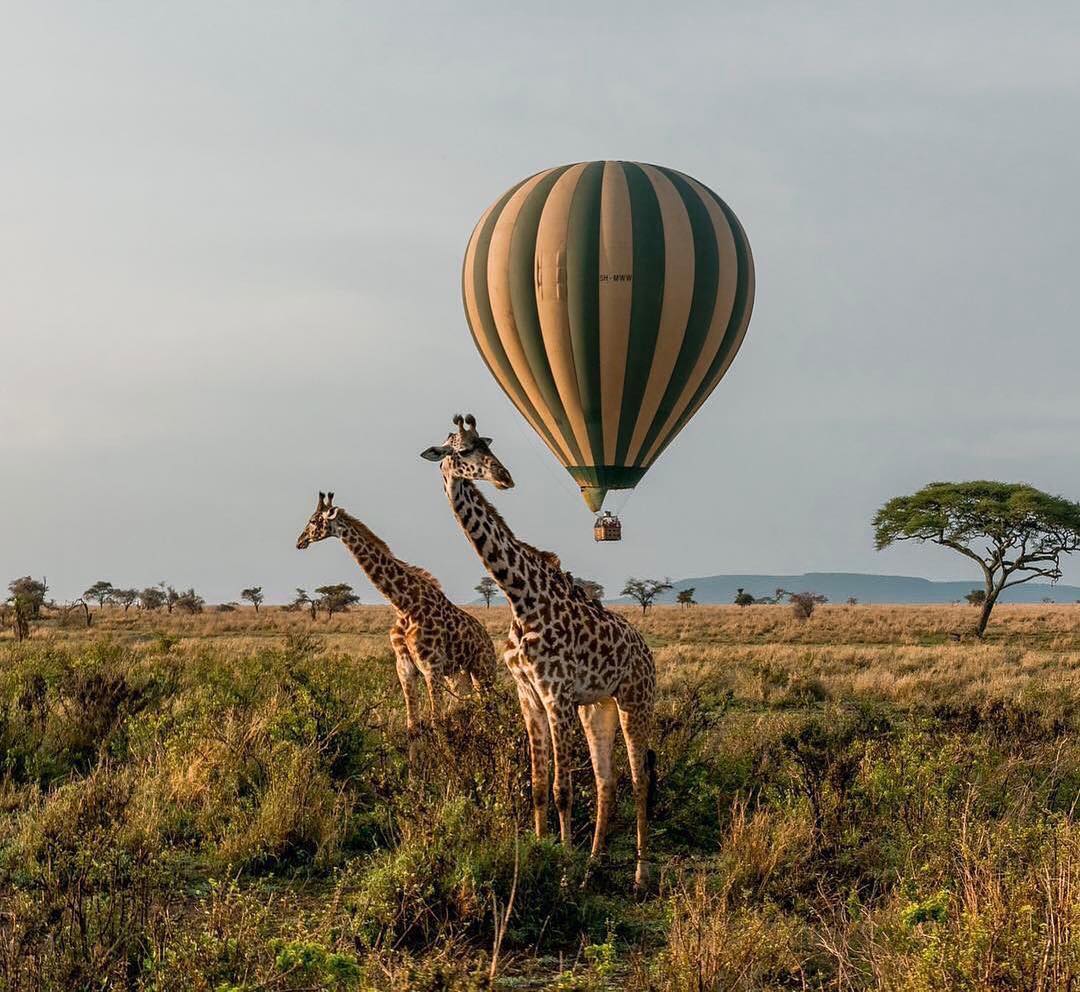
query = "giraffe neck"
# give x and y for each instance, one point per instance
(396, 580)
(505, 557)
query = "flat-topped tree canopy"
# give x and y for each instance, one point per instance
(1014, 531)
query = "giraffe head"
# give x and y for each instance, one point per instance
(323, 522)
(467, 455)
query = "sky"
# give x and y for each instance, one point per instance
(230, 247)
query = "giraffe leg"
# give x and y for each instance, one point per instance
(462, 685)
(536, 726)
(435, 695)
(637, 727)
(561, 722)
(600, 721)
(407, 675)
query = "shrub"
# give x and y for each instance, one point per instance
(804, 603)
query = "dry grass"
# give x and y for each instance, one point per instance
(854, 802)
(903, 654)
(1054, 626)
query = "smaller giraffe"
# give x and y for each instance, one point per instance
(431, 638)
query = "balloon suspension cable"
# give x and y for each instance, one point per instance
(542, 454)
(617, 500)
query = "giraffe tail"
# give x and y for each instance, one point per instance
(650, 768)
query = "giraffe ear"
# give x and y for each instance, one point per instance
(487, 441)
(333, 512)
(436, 454)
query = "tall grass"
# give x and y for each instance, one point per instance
(855, 802)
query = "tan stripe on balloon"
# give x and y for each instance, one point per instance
(727, 280)
(740, 333)
(675, 308)
(551, 300)
(472, 314)
(503, 311)
(616, 292)
(468, 291)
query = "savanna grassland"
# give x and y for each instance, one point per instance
(859, 801)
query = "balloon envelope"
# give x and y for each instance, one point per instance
(608, 299)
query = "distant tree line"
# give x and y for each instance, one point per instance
(27, 600)
(150, 599)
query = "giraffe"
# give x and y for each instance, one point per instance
(565, 651)
(431, 637)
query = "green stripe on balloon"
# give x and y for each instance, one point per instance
(740, 315)
(606, 476)
(583, 300)
(703, 300)
(522, 281)
(504, 374)
(646, 300)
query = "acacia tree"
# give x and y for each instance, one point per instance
(151, 598)
(685, 597)
(172, 599)
(25, 604)
(336, 598)
(487, 588)
(301, 600)
(645, 591)
(125, 597)
(188, 600)
(28, 596)
(743, 598)
(102, 591)
(1014, 531)
(254, 595)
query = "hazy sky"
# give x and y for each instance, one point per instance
(231, 238)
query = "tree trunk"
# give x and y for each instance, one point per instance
(988, 605)
(22, 628)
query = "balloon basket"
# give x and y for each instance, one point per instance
(607, 527)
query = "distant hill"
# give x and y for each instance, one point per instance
(838, 586)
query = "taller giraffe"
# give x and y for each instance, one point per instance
(431, 637)
(565, 651)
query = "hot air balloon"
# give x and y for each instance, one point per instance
(608, 299)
